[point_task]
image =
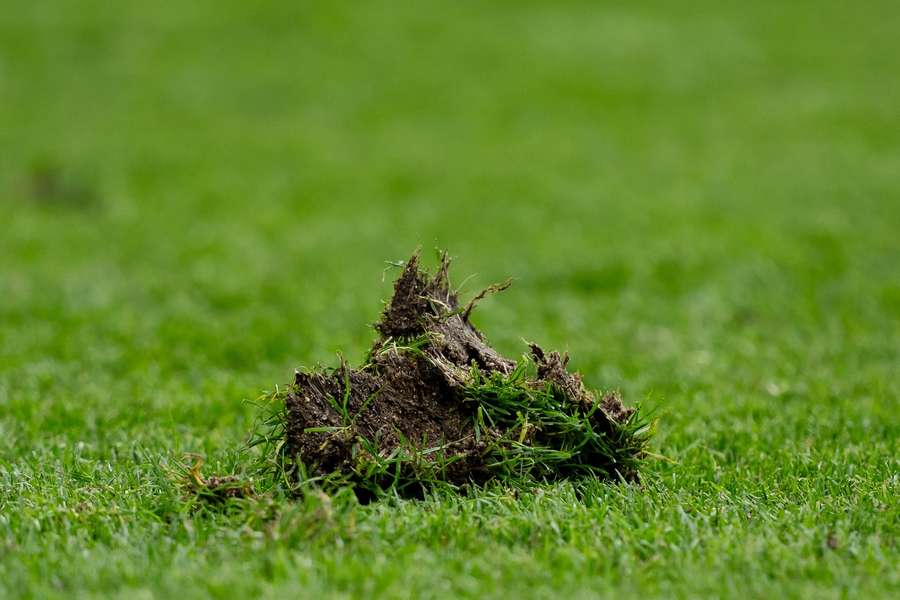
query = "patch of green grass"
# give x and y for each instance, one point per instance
(546, 436)
(700, 202)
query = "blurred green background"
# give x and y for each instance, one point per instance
(700, 201)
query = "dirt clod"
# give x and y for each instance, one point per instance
(435, 402)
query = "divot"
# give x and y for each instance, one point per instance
(434, 403)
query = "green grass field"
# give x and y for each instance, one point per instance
(701, 202)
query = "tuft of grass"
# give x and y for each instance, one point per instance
(547, 435)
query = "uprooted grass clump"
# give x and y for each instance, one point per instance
(435, 404)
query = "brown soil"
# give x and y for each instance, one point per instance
(409, 394)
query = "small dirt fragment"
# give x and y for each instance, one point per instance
(51, 185)
(216, 488)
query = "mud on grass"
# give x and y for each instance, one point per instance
(434, 403)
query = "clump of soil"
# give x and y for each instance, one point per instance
(435, 403)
